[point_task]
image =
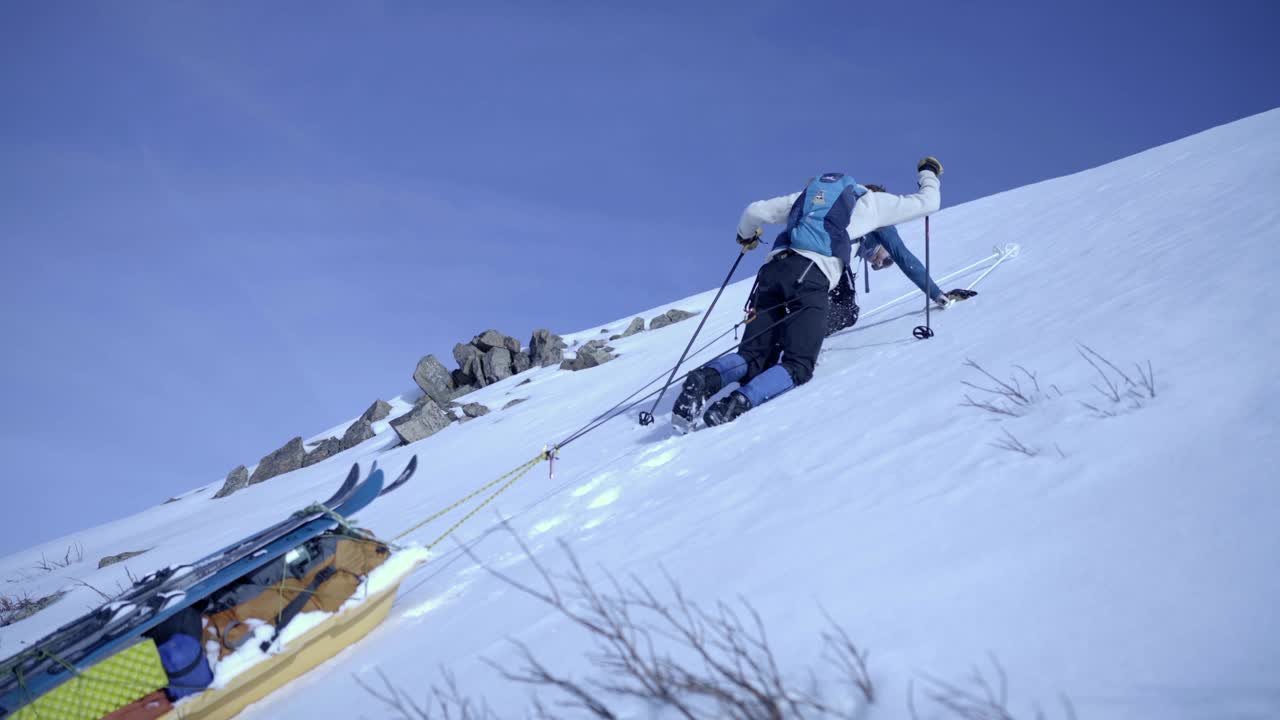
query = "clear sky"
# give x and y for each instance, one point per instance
(228, 223)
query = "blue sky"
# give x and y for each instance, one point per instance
(226, 224)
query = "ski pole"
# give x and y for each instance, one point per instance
(646, 418)
(996, 256)
(925, 331)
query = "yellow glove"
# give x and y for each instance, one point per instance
(750, 243)
(930, 163)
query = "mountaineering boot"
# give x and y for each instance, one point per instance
(726, 409)
(698, 386)
(952, 297)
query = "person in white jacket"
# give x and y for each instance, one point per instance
(805, 263)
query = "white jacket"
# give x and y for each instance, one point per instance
(872, 211)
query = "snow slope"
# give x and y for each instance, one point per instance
(1132, 563)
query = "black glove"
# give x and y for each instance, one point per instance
(750, 243)
(931, 164)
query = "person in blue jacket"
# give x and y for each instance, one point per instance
(808, 259)
(882, 248)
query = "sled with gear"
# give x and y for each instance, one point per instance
(308, 588)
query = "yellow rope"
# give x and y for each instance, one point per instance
(510, 477)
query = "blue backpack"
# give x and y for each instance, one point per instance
(819, 219)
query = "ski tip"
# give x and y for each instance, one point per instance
(405, 474)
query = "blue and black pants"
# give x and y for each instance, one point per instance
(781, 343)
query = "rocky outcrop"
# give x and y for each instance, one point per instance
(286, 459)
(113, 559)
(426, 419)
(434, 379)
(359, 431)
(379, 410)
(591, 354)
(490, 339)
(669, 317)
(469, 371)
(497, 365)
(488, 358)
(323, 450)
(637, 325)
(546, 348)
(237, 479)
(474, 410)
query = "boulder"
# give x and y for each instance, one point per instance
(546, 348)
(497, 364)
(669, 317)
(474, 410)
(359, 431)
(460, 391)
(237, 479)
(379, 410)
(327, 448)
(637, 325)
(490, 339)
(470, 360)
(511, 344)
(426, 419)
(286, 459)
(434, 379)
(520, 362)
(113, 559)
(590, 355)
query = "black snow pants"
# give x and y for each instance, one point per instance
(791, 318)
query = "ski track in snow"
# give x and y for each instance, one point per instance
(1131, 564)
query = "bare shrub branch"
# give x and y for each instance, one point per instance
(1013, 444)
(1144, 388)
(74, 554)
(20, 607)
(979, 697)
(1147, 379)
(1111, 392)
(446, 703)
(105, 596)
(981, 701)
(663, 650)
(1014, 400)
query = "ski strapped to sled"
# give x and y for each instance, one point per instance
(157, 597)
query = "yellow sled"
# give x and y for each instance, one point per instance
(300, 655)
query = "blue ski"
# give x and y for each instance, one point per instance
(119, 624)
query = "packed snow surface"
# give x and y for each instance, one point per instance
(1129, 559)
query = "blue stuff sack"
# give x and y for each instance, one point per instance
(181, 654)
